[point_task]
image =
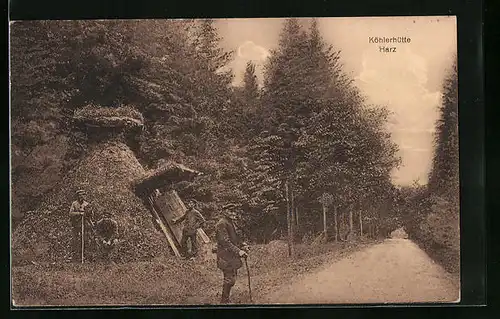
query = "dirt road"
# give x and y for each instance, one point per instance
(395, 271)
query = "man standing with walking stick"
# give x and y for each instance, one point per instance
(229, 253)
(79, 208)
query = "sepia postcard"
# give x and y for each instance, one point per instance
(259, 161)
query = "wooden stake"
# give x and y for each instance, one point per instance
(335, 220)
(288, 220)
(292, 219)
(324, 219)
(83, 237)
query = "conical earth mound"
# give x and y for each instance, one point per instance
(106, 174)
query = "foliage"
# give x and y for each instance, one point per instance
(307, 127)
(244, 114)
(444, 176)
(318, 135)
(433, 222)
(251, 90)
(434, 214)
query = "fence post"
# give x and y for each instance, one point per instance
(288, 220)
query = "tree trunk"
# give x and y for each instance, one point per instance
(297, 228)
(297, 217)
(324, 221)
(288, 220)
(335, 221)
(292, 218)
(361, 223)
(351, 224)
(341, 226)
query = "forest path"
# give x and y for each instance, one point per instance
(394, 271)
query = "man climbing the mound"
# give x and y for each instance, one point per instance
(193, 220)
(80, 211)
(230, 250)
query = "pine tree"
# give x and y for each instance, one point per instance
(210, 70)
(346, 151)
(307, 126)
(250, 85)
(287, 103)
(285, 96)
(164, 86)
(245, 114)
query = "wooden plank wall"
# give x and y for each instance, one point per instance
(171, 241)
(171, 206)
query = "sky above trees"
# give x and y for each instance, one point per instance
(408, 82)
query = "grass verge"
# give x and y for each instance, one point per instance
(166, 281)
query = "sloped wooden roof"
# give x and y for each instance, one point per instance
(166, 175)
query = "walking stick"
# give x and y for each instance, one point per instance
(248, 274)
(83, 238)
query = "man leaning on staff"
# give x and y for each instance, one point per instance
(80, 210)
(230, 249)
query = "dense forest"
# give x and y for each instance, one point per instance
(304, 141)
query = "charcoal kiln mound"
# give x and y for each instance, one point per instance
(108, 173)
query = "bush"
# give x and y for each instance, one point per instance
(438, 232)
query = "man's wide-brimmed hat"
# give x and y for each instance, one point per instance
(81, 192)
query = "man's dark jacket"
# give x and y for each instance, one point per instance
(228, 244)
